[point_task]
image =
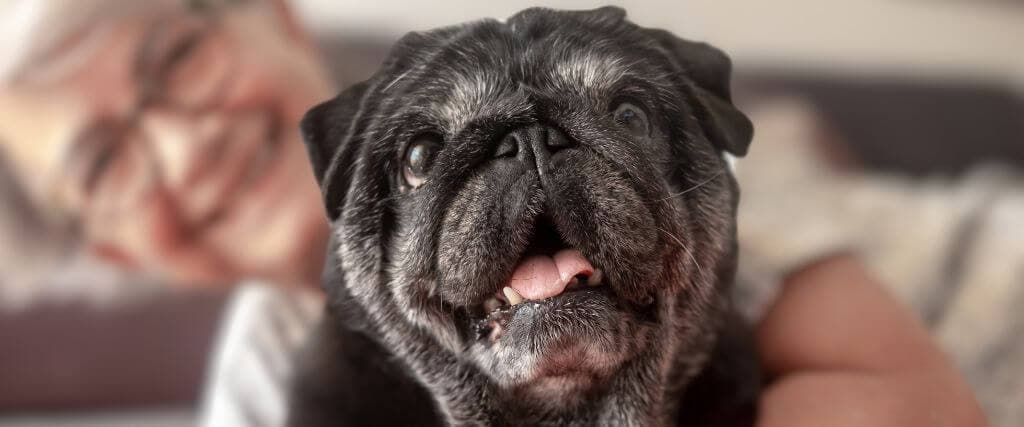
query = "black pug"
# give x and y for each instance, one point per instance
(534, 223)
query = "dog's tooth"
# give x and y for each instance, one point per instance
(512, 296)
(492, 303)
(595, 279)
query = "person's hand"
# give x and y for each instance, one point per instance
(839, 351)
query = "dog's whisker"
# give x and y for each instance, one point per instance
(396, 80)
(695, 187)
(685, 248)
(689, 253)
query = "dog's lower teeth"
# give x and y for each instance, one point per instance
(595, 279)
(512, 296)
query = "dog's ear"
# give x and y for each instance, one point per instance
(326, 130)
(709, 69)
(603, 15)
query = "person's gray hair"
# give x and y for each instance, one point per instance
(29, 29)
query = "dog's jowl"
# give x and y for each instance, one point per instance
(532, 224)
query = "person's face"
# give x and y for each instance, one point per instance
(175, 141)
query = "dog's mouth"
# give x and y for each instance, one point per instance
(557, 324)
(549, 276)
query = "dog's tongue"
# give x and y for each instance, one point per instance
(541, 276)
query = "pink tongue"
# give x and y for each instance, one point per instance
(540, 276)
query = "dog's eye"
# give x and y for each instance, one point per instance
(419, 157)
(631, 117)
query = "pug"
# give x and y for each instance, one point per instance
(533, 224)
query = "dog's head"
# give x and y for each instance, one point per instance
(572, 159)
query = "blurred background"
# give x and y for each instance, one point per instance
(150, 168)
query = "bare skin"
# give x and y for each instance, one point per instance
(842, 352)
(170, 137)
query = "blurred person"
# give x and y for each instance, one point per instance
(158, 138)
(949, 248)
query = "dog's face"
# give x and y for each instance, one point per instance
(570, 159)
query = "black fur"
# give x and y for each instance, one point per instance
(406, 341)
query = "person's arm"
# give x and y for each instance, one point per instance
(842, 352)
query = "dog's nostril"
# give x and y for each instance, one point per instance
(508, 147)
(535, 143)
(557, 140)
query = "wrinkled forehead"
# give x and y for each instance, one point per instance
(496, 69)
(111, 41)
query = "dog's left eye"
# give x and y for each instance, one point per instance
(418, 159)
(632, 118)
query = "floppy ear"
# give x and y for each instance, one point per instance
(326, 130)
(601, 15)
(710, 69)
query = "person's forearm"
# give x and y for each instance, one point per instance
(842, 352)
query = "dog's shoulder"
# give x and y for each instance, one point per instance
(344, 377)
(726, 391)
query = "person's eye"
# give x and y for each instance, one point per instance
(100, 164)
(632, 118)
(185, 66)
(419, 158)
(93, 153)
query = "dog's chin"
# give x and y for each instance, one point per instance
(558, 350)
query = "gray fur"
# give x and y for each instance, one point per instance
(656, 214)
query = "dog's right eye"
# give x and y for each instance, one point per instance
(419, 157)
(632, 118)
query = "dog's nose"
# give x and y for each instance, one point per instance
(535, 142)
